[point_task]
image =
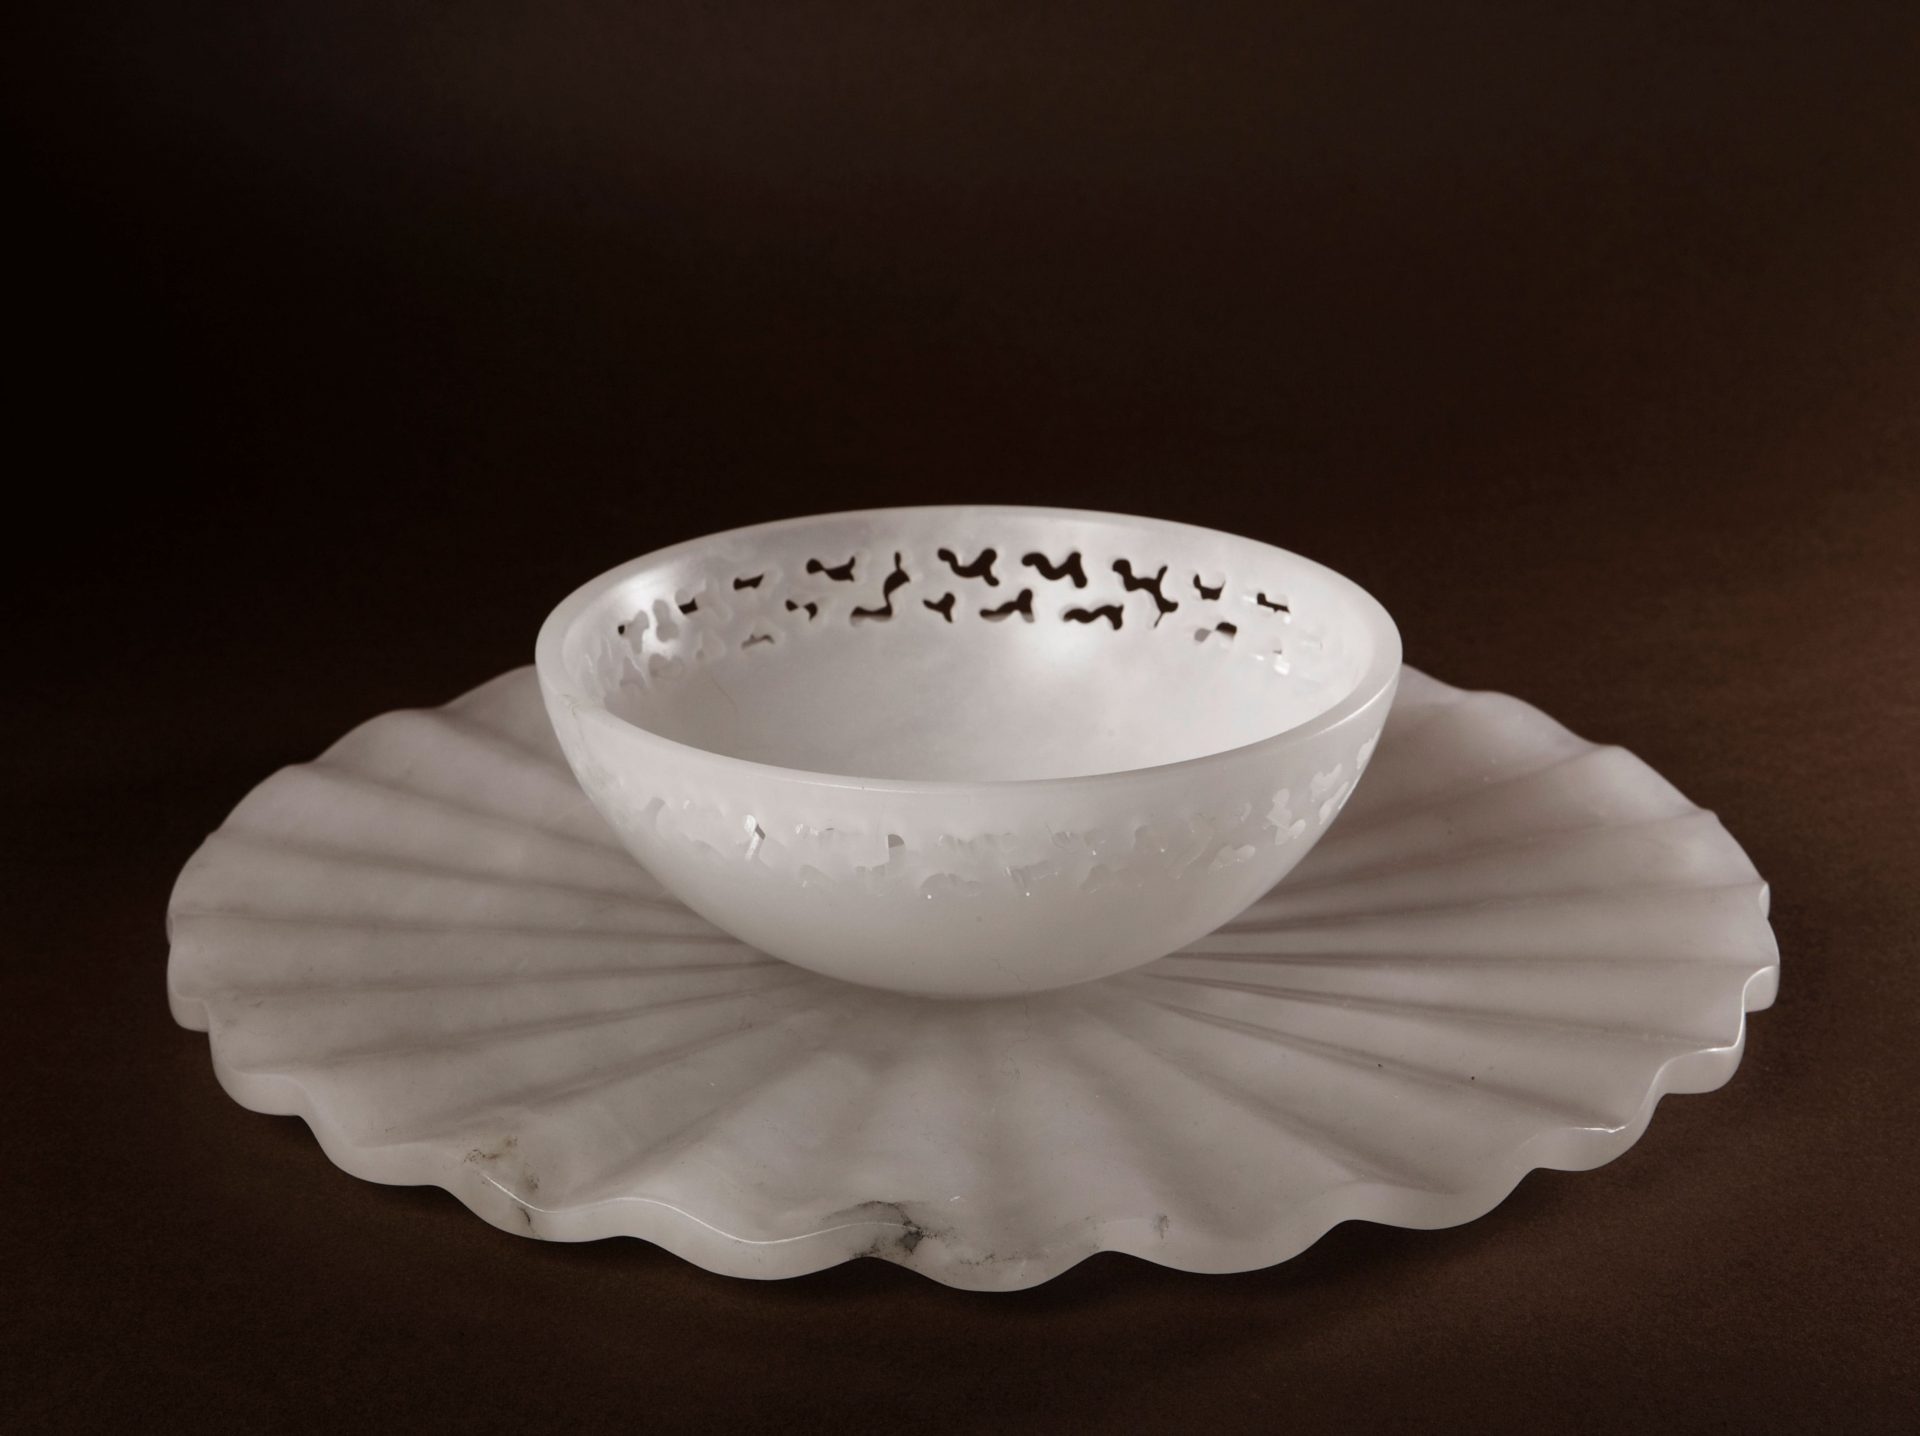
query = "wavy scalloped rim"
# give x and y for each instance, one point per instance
(1453, 990)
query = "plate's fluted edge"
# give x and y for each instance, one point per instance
(911, 1239)
(900, 1236)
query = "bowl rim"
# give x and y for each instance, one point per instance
(1379, 677)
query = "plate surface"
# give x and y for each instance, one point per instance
(428, 945)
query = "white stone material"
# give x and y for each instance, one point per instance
(969, 751)
(429, 945)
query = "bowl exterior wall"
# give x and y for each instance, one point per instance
(989, 890)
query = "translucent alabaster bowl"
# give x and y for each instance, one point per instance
(969, 751)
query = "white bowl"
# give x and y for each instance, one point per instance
(969, 751)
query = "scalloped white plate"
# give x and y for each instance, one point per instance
(428, 945)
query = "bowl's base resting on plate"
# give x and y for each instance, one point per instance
(428, 945)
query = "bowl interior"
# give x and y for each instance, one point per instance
(969, 644)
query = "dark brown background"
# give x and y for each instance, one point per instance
(1587, 336)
